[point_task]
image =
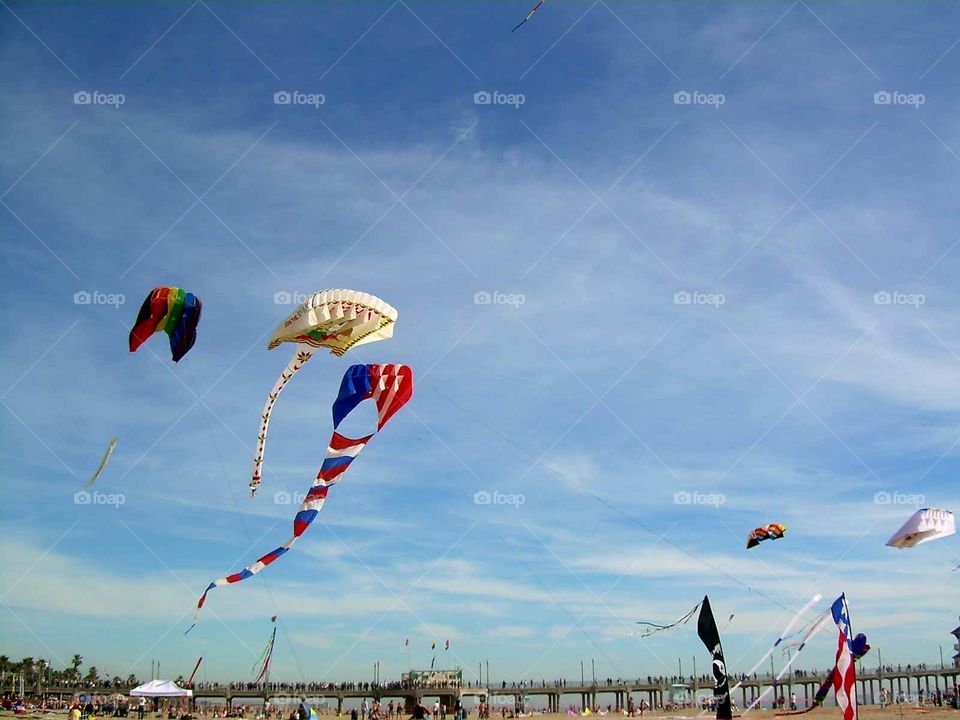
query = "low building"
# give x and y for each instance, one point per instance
(956, 646)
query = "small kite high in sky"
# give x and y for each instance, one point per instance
(171, 310)
(923, 526)
(103, 462)
(529, 15)
(773, 531)
(390, 387)
(333, 319)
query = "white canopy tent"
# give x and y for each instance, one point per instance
(160, 689)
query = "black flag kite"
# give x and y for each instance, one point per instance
(710, 636)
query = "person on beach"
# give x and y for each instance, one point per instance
(420, 712)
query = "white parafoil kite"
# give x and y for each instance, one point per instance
(336, 320)
(923, 526)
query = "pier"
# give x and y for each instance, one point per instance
(617, 694)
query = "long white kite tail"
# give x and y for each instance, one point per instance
(810, 633)
(303, 353)
(786, 631)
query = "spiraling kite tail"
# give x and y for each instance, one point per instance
(267, 657)
(786, 631)
(679, 621)
(806, 638)
(390, 387)
(303, 353)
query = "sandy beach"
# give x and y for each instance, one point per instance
(903, 712)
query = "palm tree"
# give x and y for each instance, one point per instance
(92, 675)
(75, 665)
(26, 666)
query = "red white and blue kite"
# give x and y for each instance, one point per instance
(845, 674)
(390, 387)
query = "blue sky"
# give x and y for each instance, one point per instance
(812, 225)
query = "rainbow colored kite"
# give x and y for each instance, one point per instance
(171, 310)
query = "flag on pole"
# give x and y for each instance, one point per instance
(845, 676)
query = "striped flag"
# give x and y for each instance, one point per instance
(845, 676)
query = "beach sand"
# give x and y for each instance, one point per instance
(903, 712)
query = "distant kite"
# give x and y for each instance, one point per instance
(103, 462)
(774, 531)
(529, 15)
(171, 310)
(923, 526)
